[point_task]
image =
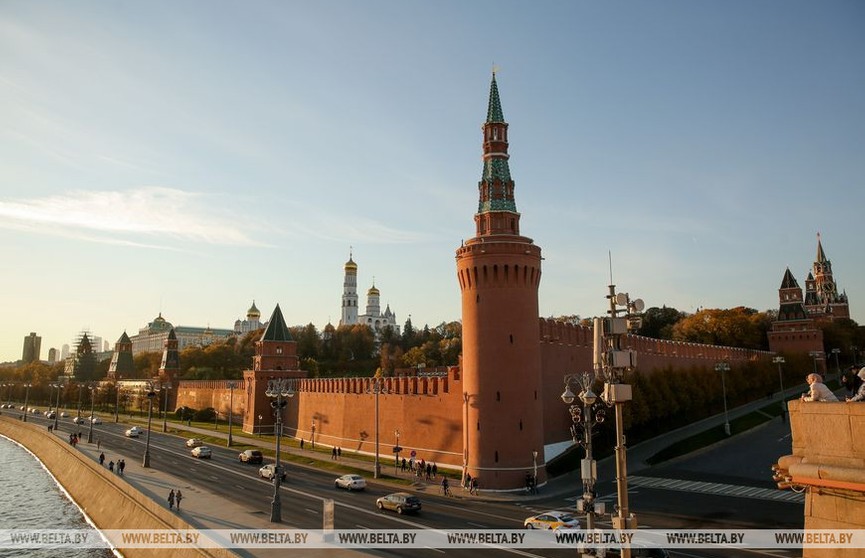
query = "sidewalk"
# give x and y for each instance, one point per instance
(200, 508)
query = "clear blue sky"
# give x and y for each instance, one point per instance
(189, 157)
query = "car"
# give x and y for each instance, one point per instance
(50, 414)
(64, 414)
(96, 420)
(34, 411)
(194, 442)
(350, 482)
(552, 520)
(133, 432)
(269, 470)
(79, 420)
(401, 502)
(250, 456)
(202, 452)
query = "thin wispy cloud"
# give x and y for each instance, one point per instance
(148, 217)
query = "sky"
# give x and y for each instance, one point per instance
(188, 158)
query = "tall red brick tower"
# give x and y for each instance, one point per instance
(499, 272)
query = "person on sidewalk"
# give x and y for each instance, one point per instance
(178, 496)
(102, 459)
(171, 499)
(120, 466)
(818, 391)
(860, 393)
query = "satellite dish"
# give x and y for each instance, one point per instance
(622, 299)
(639, 305)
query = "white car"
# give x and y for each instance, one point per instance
(133, 432)
(79, 420)
(202, 452)
(96, 420)
(350, 482)
(64, 414)
(552, 520)
(194, 442)
(269, 471)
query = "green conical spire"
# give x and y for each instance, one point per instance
(276, 328)
(494, 110)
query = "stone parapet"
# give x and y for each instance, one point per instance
(108, 501)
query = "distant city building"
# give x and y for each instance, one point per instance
(64, 352)
(151, 338)
(373, 317)
(32, 348)
(52, 355)
(251, 323)
(796, 330)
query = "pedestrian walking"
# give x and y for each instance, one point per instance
(445, 487)
(111, 466)
(339, 452)
(301, 443)
(178, 496)
(171, 499)
(120, 466)
(333, 453)
(474, 487)
(435, 470)
(102, 459)
(468, 481)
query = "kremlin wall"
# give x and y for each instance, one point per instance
(428, 410)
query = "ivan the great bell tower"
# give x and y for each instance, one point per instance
(499, 272)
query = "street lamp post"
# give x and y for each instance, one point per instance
(27, 387)
(9, 395)
(59, 386)
(278, 389)
(151, 393)
(586, 414)
(396, 451)
(92, 388)
(231, 386)
(723, 367)
(312, 435)
(167, 388)
(117, 399)
(377, 389)
(815, 355)
(80, 389)
(259, 425)
(779, 360)
(836, 352)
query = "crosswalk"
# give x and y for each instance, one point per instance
(703, 487)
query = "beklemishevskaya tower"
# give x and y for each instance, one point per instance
(499, 272)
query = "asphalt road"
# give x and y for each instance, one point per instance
(742, 461)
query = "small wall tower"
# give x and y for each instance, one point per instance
(499, 273)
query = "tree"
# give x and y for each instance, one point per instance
(736, 327)
(658, 323)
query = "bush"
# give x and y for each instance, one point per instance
(183, 413)
(204, 415)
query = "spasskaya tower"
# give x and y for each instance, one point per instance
(499, 272)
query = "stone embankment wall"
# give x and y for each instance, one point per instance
(828, 462)
(109, 501)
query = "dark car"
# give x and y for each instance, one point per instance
(402, 502)
(250, 456)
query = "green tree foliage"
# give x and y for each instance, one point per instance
(736, 327)
(658, 323)
(846, 336)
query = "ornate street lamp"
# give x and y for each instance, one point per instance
(27, 387)
(167, 388)
(587, 414)
(151, 393)
(92, 387)
(278, 389)
(312, 436)
(779, 360)
(80, 389)
(723, 368)
(231, 386)
(259, 425)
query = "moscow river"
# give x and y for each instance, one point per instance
(31, 499)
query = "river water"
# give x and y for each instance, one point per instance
(31, 499)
